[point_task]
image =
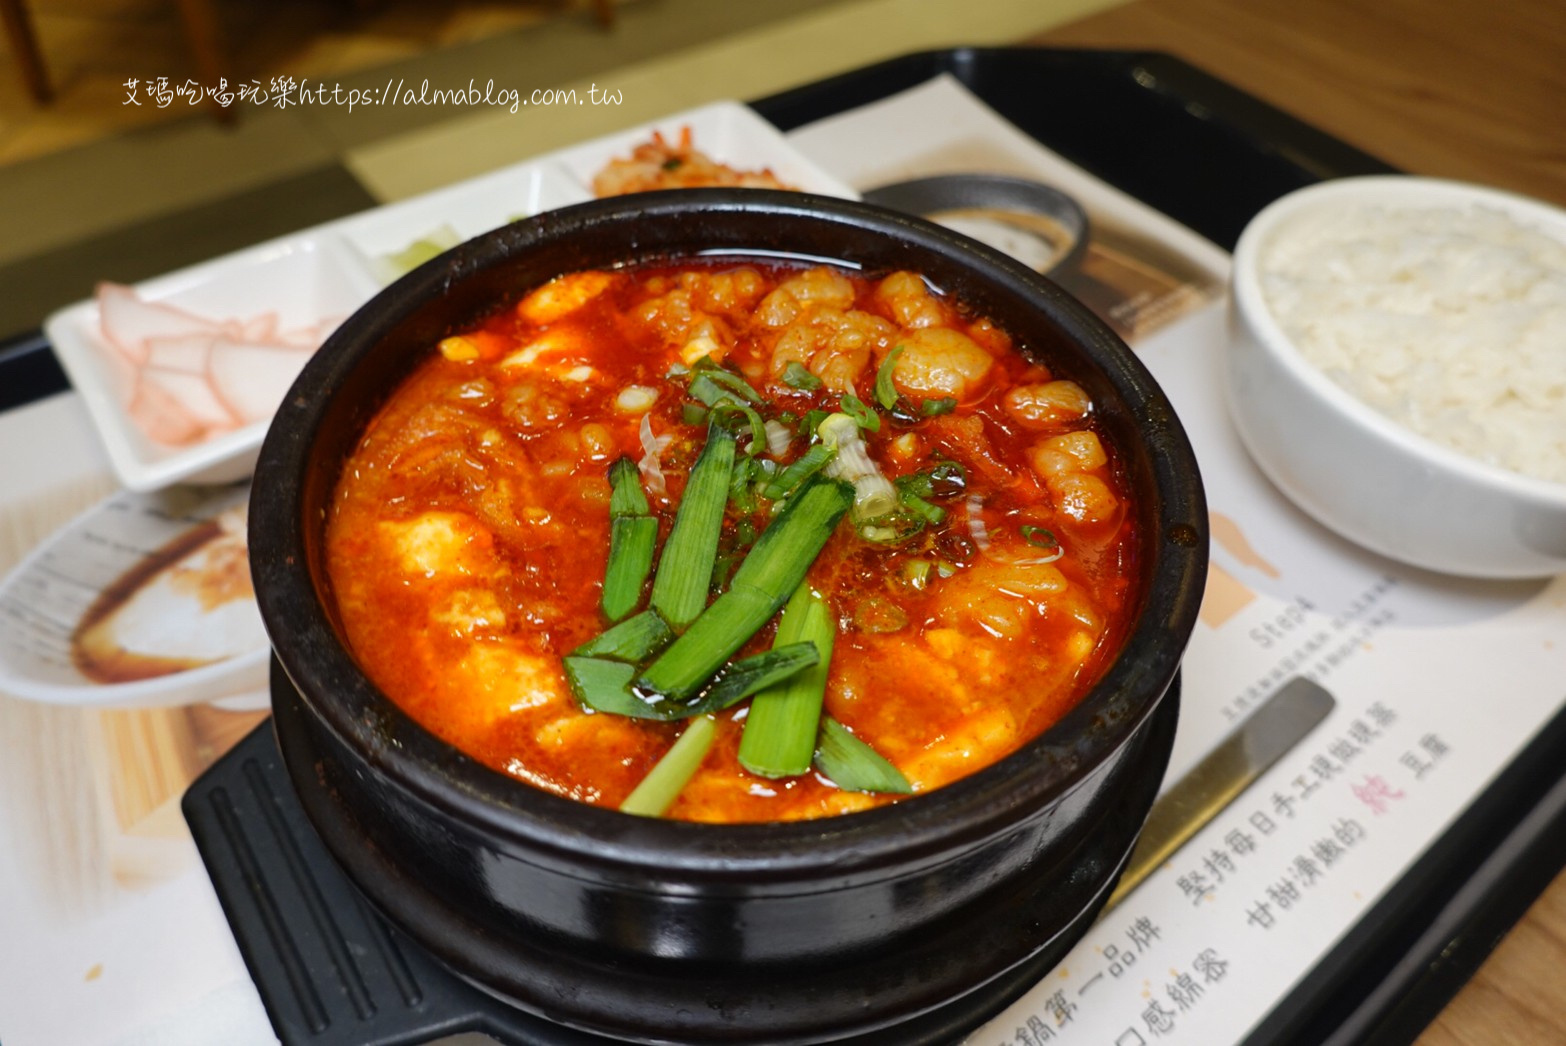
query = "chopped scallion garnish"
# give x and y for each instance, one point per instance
(885, 391)
(633, 640)
(781, 726)
(947, 479)
(705, 368)
(775, 567)
(1039, 537)
(685, 570)
(863, 416)
(633, 533)
(631, 543)
(757, 672)
(802, 468)
(626, 497)
(874, 494)
(796, 376)
(692, 659)
(934, 408)
(603, 685)
(708, 391)
(758, 428)
(673, 772)
(812, 421)
(931, 514)
(741, 481)
(853, 765)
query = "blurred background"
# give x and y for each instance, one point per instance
(111, 170)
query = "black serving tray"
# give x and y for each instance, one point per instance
(1207, 155)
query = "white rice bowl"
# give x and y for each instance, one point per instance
(1397, 367)
(1449, 320)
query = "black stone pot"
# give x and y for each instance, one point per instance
(657, 931)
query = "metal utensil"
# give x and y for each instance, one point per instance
(1212, 784)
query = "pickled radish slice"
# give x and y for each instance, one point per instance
(253, 379)
(195, 376)
(194, 393)
(160, 415)
(128, 322)
(188, 353)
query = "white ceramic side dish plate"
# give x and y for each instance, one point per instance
(315, 278)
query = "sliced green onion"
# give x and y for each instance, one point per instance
(775, 567)
(1039, 537)
(685, 570)
(781, 726)
(692, 659)
(758, 428)
(757, 672)
(794, 538)
(936, 407)
(931, 514)
(943, 480)
(705, 368)
(915, 483)
(632, 535)
(796, 376)
(863, 416)
(626, 497)
(802, 468)
(947, 479)
(904, 413)
(740, 480)
(853, 765)
(812, 421)
(633, 640)
(631, 543)
(894, 529)
(702, 387)
(673, 772)
(604, 686)
(885, 391)
(693, 413)
(874, 494)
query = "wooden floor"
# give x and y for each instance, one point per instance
(92, 48)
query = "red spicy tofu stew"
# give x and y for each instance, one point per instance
(733, 542)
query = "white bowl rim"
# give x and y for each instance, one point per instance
(1406, 190)
(191, 686)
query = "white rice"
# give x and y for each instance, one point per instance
(1451, 322)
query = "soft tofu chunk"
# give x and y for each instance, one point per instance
(498, 679)
(439, 543)
(562, 296)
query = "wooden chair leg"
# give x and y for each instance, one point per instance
(206, 43)
(605, 12)
(19, 28)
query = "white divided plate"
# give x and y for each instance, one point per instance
(305, 281)
(465, 210)
(142, 600)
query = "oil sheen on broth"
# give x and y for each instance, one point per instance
(470, 528)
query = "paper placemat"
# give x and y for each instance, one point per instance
(1198, 954)
(1209, 943)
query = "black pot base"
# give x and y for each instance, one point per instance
(331, 970)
